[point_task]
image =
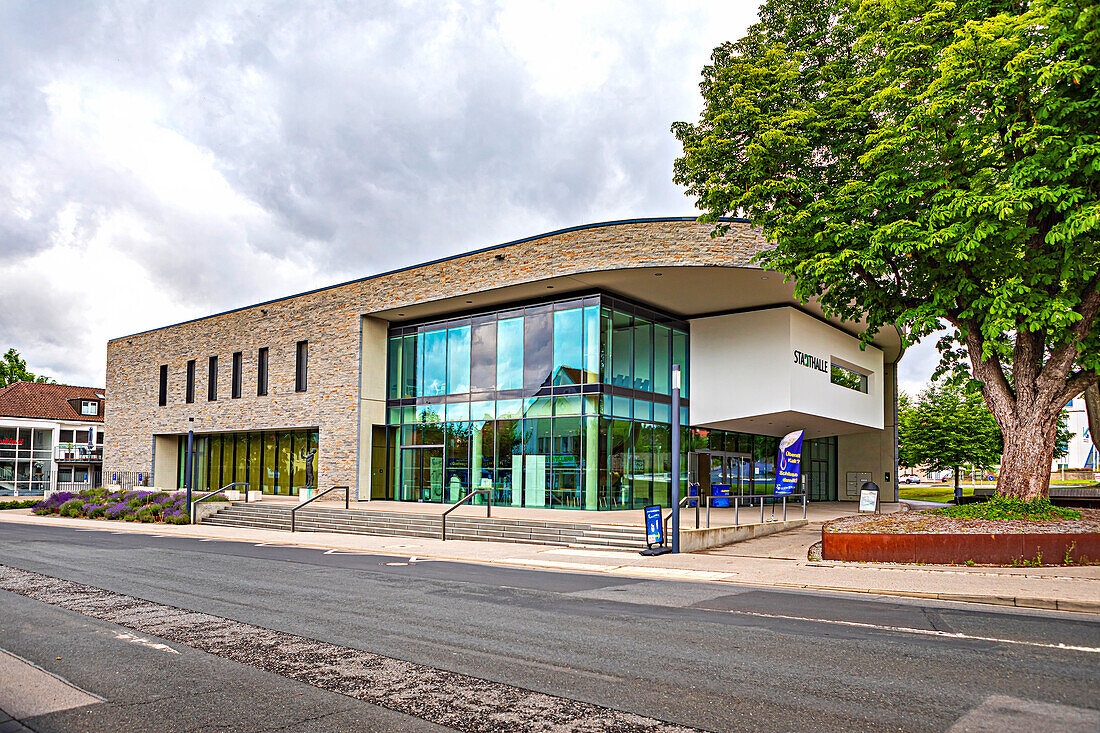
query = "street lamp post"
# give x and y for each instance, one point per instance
(675, 457)
(187, 467)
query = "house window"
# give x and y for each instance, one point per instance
(261, 372)
(190, 396)
(162, 392)
(300, 366)
(212, 380)
(89, 407)
(847, 378)
(236, 374)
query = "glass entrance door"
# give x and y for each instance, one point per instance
(422, 473)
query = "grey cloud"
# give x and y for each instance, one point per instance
(369, 136)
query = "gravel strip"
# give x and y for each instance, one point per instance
(450, 699)
(922, 523)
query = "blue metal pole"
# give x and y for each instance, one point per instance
(675, 457)
(188, 466)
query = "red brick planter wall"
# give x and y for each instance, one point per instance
(956, 549)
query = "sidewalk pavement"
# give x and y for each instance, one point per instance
(777, 560)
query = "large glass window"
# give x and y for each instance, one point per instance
(569, 346)
(513, 399)
(270, 462)
(538, 345)
(458, 360)
(510, 353)
(433, 377)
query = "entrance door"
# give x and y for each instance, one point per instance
(422, 473)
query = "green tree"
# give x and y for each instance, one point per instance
(946, 428)
(922, 163)
(14, 369)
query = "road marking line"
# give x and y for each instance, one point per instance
(923, 632)
(142, 641)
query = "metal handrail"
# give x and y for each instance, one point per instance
(215, 493)
(310, 500)
(463, 500)
(668, 516)
(736, 499)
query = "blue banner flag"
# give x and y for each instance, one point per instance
(787, 466)
(654, 526)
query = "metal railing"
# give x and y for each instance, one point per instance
(668, 515)
(77, 453)
(735, 503)
(310, 500)
(463, 500)
(215, 493)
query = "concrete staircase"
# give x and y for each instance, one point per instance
(408, 524)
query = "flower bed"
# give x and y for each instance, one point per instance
(927, 537)
(129, 506)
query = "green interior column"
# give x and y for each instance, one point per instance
(591, 462)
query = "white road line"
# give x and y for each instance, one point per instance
(142, 641)
(922, 632)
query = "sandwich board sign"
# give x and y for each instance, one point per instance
(868, 497)
(654, 532)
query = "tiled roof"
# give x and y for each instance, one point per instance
(48, 401)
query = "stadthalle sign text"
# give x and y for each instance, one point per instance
(811, 362)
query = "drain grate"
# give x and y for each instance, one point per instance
(458, 701)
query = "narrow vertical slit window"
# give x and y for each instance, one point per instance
(301, 364)
(261, 372)
(190, 381)
(162, 392)
(236, 386)
(212, 380)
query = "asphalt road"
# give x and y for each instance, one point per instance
(706, 655)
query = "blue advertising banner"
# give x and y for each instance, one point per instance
(654, 525)
(787, 466)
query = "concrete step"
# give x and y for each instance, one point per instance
(459, 527)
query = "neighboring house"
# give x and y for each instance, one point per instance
(1081, 451)
(51, 436)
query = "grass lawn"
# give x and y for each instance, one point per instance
(931, 492)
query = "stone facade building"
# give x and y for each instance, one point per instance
(329, 357)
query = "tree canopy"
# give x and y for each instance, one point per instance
(922, 163)
(14, 369)
(947, 427)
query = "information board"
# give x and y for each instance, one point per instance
(654, 525)
(868, 500)
(788, 461)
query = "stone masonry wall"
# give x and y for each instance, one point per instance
(330, 321)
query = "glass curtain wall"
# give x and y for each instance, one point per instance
(268, 461)
(563, 404)
(26, 460)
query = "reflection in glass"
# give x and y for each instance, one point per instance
(568, 346)
(510, 354)
(458, 360)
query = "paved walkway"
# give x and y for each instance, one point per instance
(777, 560)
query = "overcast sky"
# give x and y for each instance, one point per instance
(162, 161)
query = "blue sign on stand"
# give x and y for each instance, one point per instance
(787, 471)
(654, 526)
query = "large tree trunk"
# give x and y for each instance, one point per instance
(1027, 458)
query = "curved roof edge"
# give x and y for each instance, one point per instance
(579, 227)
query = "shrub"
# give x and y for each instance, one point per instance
(53, 504)
(117, 511)
(72, 508)
(148, 513)
(20, 504)
(1000, 507)
(95, 511)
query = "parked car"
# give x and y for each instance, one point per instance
(913, 479)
